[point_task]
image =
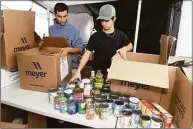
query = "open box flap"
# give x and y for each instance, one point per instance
(139, 72)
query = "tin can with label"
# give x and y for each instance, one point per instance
(97, 93)
(144, 121)
(81, 106)
(78, 93)
(127, 107)
(156, 122)
(114, 96)
(52, 93)
(90, 111)
(72, 107)
(125, 118)
(68, 93)
(63, 105)
(103, 111)
(135, 118)
(57, 103)
(98, 101)
(134, 102)
(118, 108)
(105, 91)
(111, 106)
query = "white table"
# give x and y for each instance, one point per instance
(37, 102)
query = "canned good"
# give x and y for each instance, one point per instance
(90, 111)
(125, 118)
(87, 90)
(118, 108)
(57, 103)
(103, 111)
(114, 96)
(124, 99)
(72, 107)
(81, 106)
(156, 122)
(144, 121)
(106, 91)
(97, 93)
(68, 93)
(127, 107)
(111, 106)
(52, 93)
(98, 101)
(135, 118)
(63, 105)
(78, 93)
(134, 102)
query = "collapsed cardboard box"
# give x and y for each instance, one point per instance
(163, 84)
(41, 69)
(18, 35)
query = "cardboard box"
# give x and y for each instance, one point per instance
(18, 35)
(8, 78)
(11, 125)
(41, 69)
(148, 81)
(30, 120)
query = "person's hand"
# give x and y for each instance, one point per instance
(77, 75)
(123, 52)
(64, 52)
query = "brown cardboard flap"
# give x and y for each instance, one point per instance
(139, 57)
(139, 72)
(44, 51)
(182, 101)
(60, 42)
(163, 49)
(11, 125)
(170, 45)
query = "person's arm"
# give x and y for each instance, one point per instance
(83, 62)
(127, 46)
(77, 45)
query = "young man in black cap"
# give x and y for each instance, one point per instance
(105, 43)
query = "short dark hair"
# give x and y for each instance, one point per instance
(60, 7)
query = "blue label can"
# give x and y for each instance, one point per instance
(72, 107)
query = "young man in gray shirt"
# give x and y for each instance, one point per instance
(62, 28)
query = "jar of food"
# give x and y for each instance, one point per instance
(72, 107)
(106, 91)
(144, 121)
(118, 108)
(87, 90)
(103, 111)
(156, 122)
(135, 118)
(114, 96)
(52, 93)
(125, 118)
(81, 106)
(68, 93)
(63, 105)
(90, 111)
(98, 101)
(57, 103)
(111, 106)
(78, 93)
(134, 102)
(97, 93)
